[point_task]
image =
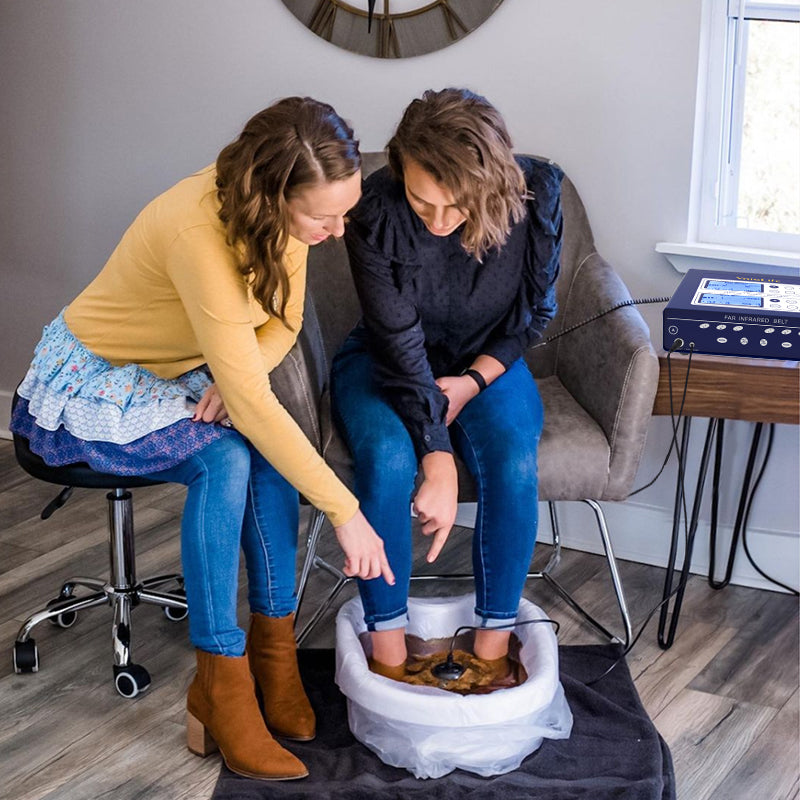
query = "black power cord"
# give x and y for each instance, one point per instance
(679, 589)
(678, 343)
(675, 346)
(748, 504)
(450, 670)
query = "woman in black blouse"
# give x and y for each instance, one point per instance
(454, 249)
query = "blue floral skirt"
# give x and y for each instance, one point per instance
(74, 406)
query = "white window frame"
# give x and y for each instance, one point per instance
(720, 103)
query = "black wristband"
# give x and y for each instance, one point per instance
(477, 377)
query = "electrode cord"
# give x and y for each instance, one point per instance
(450, 668)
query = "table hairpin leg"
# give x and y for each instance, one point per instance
(715, 430)
(665, 642)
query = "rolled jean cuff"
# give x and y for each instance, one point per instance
(496, 621)
(388, 623)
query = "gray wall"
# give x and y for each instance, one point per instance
(105, 103)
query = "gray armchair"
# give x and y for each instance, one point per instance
(597, 383)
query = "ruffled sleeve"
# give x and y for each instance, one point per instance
(536, 303)
(382, 242)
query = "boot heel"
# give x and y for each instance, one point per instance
(198, 739)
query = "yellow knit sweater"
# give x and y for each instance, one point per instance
(171, 299)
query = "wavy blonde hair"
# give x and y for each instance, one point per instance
(294, 144)
(461, 140)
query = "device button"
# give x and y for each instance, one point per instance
(722, 340)
(737, 327)
(769, 330)
(673, 329)
(744, 340)
(786, 344)
(721, 327)
(704, 325)
(763, 342)
(785, 331)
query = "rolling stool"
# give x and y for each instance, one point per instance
(122, 591)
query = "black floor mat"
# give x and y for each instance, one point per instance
(614, 750)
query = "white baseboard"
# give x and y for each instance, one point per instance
(642, 533)
(5, 413)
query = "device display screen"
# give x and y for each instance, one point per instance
(711, 299)
(732, 286)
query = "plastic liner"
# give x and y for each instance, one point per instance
(431, 731)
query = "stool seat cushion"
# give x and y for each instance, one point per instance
(81, 475)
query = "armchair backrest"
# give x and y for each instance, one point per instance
(578, 245)
(329, 277)
(608, 368)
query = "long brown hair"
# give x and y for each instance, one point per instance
(296, 143)
(461, 140)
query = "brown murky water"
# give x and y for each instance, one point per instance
(478, 676)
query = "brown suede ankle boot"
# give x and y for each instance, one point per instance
(222, 713)
(272, 650)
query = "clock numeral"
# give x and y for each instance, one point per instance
(452, 20)
(323, 18)
(388, 46)
(426, 26)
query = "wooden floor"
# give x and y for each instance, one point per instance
(725, 697)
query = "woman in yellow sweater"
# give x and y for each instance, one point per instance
(160, 367)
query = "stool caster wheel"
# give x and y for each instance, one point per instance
(176, 614)
(131, 680)
(64, 620)
(26, 657)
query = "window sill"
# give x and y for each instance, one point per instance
(724, 257)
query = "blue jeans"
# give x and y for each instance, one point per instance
(235, 497)
(496, 435)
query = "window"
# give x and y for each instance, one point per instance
(746, 171)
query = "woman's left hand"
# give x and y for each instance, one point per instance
(459, 390)
(210, 407)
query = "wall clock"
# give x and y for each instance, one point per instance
(392, 28)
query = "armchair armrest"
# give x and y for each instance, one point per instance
(609, 366)
(297, 382)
